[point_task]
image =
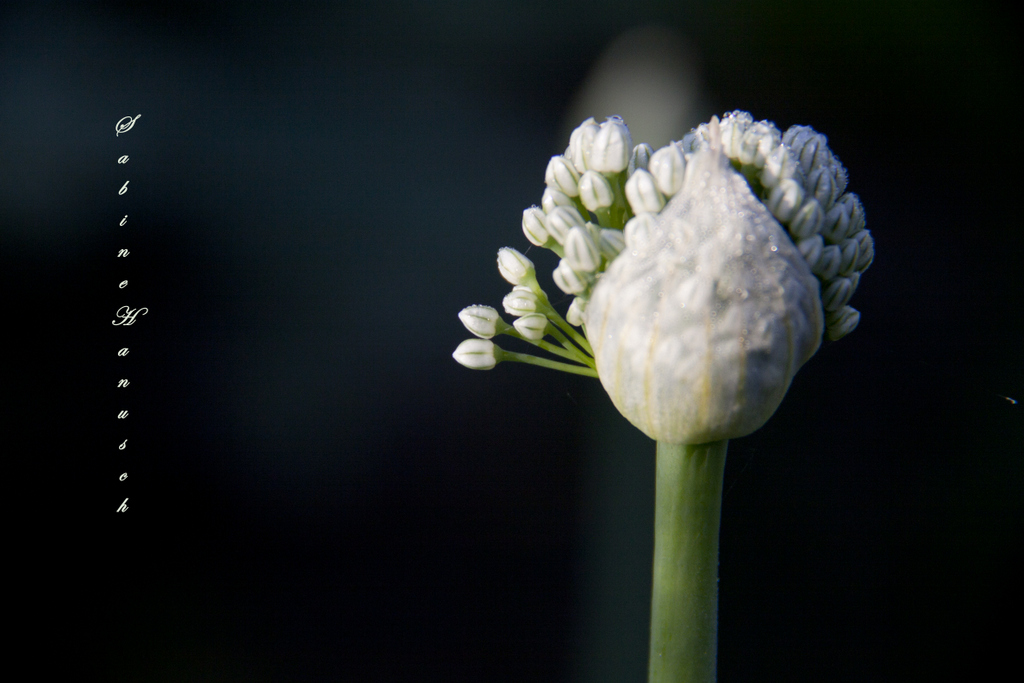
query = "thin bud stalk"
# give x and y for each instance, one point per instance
(551, 364)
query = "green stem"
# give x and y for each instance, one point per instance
(684, 607)
(547, 363)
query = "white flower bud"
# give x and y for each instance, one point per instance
(850, 253)
(844, 219)
(552, 199)
(732, 128)
(580, 142)
(639, 229)
(561, 220)
(667, 166)
(533, 226)
(533, 326)
(821, 186)
(842, 322)
(595, 191)
(866, 251)
(807, 220)
(828, 266)
(811, 249)
(569, 280)
(837, 294)
(611, 243)
(577, 309)
(757, 143)
(643, 193)
(480, 320)
(697, 335)
(785, 199)
(477, 354)
(809, 146)
(581, 251)
(514, 267)
(641, 158)
(560, 175)
(520, 301)
(612, 147)
(779, 165)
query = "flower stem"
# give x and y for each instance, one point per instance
(684, 607)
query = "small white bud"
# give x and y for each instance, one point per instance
(611, 243)
(667, 166)
(581, 251)
(850, 250)
(821, 185)
(552, 199)
(638, 230)
(514, 267)
(568, 280)
(866, 251)
(807, 220)
(533, 226)
(576, 311)
(641, 158)
(757, 143)
(480, 320)
(560, 175)
(828, 266)
(732, 128)
(580, 142)
(779, 165)
(811, 249)
(785, 199)
(844, 219)
(533, 326)
(520, 301)
(840, 323)
(837, 294)
(809, 146)
(643, 193)
(561, 220)
(477, 354)
(595, 191)
(612, 147)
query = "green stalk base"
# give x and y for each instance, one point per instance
(684, 606)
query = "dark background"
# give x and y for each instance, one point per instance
(319, 493)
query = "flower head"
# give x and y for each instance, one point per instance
(703, 274)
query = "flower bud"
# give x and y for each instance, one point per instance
(532, 326)
(757, 143)
(612, 147)
(785, 199)
(779, 165)
(514, 267)
(611, 243)
(866, 251)
(732, 128)
(837, 294)
(643, 193)
(480, 320)
(641, 158)
(807, 220)
(828, 266)
(520, 301)
(811, 249)
(581, 251)
(840, 323)
(595, 191)
(580, 142)
(477, 354)
(533, 226)
(638, 230)
(821, 186)
(560, 175)
(667, 166)
(576, 310)
(569, 280)
(850, 253)
(561, 220)
(555, 198)
(693, 341)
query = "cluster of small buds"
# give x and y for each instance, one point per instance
(535, 320)
(803, 184)
(604, 195)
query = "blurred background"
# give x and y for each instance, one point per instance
(318, 492)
